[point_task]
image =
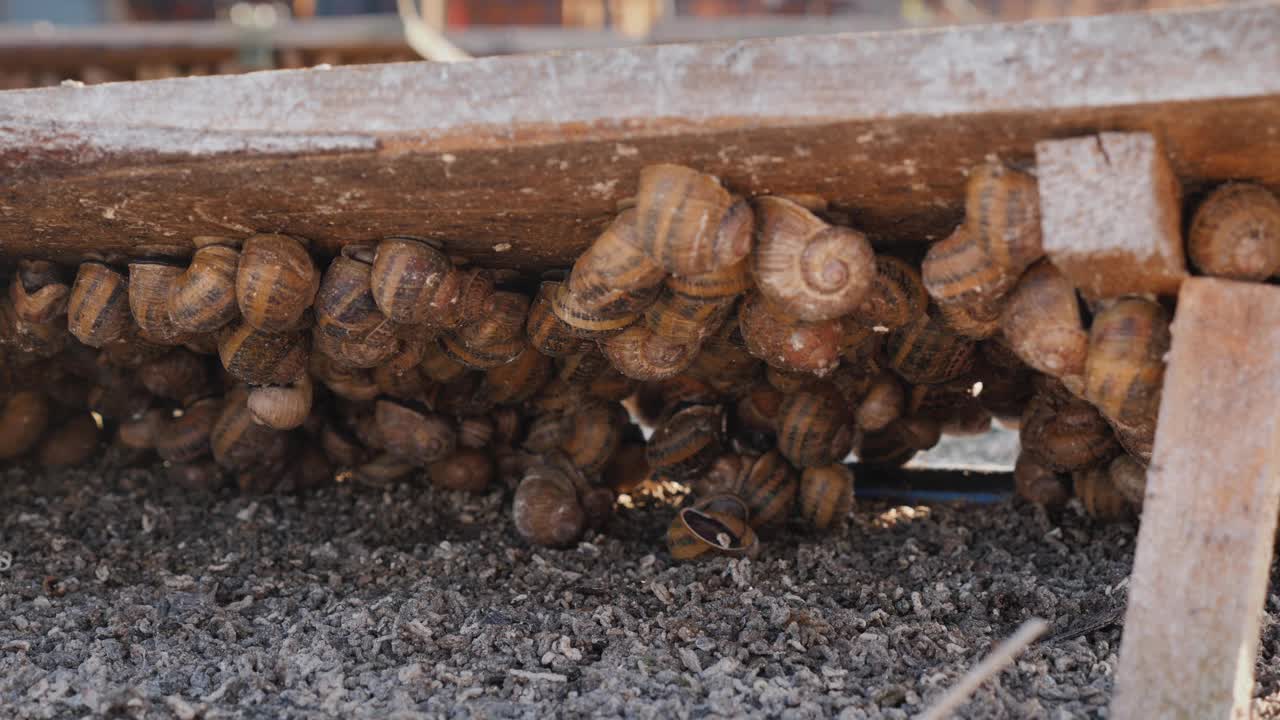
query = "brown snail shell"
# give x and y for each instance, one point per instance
(380, 346)
(686, 319)
(22, 422)
(1129, 478)
(406, 277)
(826, 495)
(615, 277)
(786, 382)
(768, 487)
(687, 443)
(926, 351)
(140, 432)
(1124, 371)
(787, 343)
(407, 385)
(71, 444)
(150, 283)
(1235, 233)
(581, 368)
(724, 477)
(413, 433)
(757, 409)
(593, 434)
(546, 508)
(897, 295)
(344, 305)
(716, 525)
(718, 285)
(1038, 483)
(468, 470)
(258, 357)
(282, 407)
(976, 320)
(884, 402)
(503, 320)
(611, 385)
(517, 381)
(958, 271)
(195, 477)
(1066, 433)
(814, 426)
(346, 382)
(202, 298)
(1099, 496)
(1042, 324)
(239, 442)
(547, 333)
(1002, 205)
(342, 449)
(811, 270)
(485, 358)
(187, 437)
(508, 425)
(475, 431)
(98, 306)
(176, 375)
(276, 281)
(899, 442)
(546, 432)
(640, 354)
(38, 291)
(384, 470)
(583, 322)
(557, 396)
(34, 340)
(439, 366)
(683, 221)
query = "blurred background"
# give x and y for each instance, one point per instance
(46, 42)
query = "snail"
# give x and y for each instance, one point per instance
(1129, 477)
(814, 426)
(503, 320)
(1038, 483)
(355, 384)
(517, 381)
(715, 286)
(639, 353)
(546, 432)
(897, 296)
(383, 470)
(276, 282)
(724, 476)
(592, 435)
(186, 437)
(23, 420)
(1235, 233)
(282, 407)
(475, 431)
(508, 426)
(883, 403)
(141, 431)
(98, 306)
(546, 508)
(686, 319)
(977, 320)
(195, 477)
(927, 352)
(406, 278)
(468, 470)
(1099, 496)
(686, 443)
(71, 444)
(757, 409)
(176, 375)
(611, 385)
(1066, 433)
(344, 305)
(202, 298)
(581, 368)
(1043, 327)
(786, 343)
(259, 357)
(768, 487)
(439, 366)
(826, 495)
(481, 358)
(239, 442)
(716, 525)
(413, 433)
(811, 270)
(614, 277)
(1002, 205)
(342, 449)
(547, 333)
(583, 322)
(150, 282)
(687, 222)
(38, 291)
(1124, 370)
(899, 441)
(787, 382)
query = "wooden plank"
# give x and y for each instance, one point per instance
(1209, 516)
(537, 152)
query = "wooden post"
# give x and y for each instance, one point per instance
(1209, 518)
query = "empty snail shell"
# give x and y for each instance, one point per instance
(258, 357)
(811, 270)
(716, 525)
(1002, 205)
(546, 331)
(897, 295)
(683, 318)
(768, 487)
(546, 508)
(1038, 483)
(1043, 327)
(176, 375)
(639, 353)
(406, 277)
(585, 323)
(282, 407)
(98, 306)
(1130, 478)
(344, 304)
(461, 297)
(71, 444)
(150, 282)
(276, 282)
(787, 343)
(383, 470)
(239, 442)
(684, 222)
(520, 379)
(203, 297)
(1236, 233)
(1124, 370)
(22, 422)
(594, 432)
(1099, 495)
(140, 432)
(826, 495)
(814, 426)
(482, 358)
(884, 402)
(687, 443)
(1066, 433)
(475, 431)
(414, 433)
(615, 277)
(926, 351)
(468, 470)
(38, 291)
(187, 437)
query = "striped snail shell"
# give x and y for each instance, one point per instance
(926, 351)
(202, 298)
(811, 270)
(406, 276)
(98, 306)
(439, 365)
(482, 358)
(716, 525)
(814, 426)
(557, 396)
(276, 282)
(546, 432)
(503, 320)
(258, 357)
(1002, 205)
(520, 379)
(1043, 327)
(344, 304)
(768, 487)
(958, 271)
(38, 291)
(581, 368)
(684, 221)
(826, 495)
(23, 420)
(1235, 233)
(722, 284)
(187, 437)
(593, 434)
(546, 508)
(615, 277)
(680, 317)
(1124, 371)
(356, 384)
(413, 433)
(282, 407)
(611, 385)
(687, 443)
(475, 431)
(724, 476)
(899, 442)
(787, 343)
(1129, 476)
(757, 409)
(378, 347)
(884, 402)
(176, 375)
(545, 330)
(150, 282)
(1066, 433)
(640, 354)
(71, 444)
(978, 319)
(238, 441)
(897, 295)
(1099, 495)
(467, 469)
(1038, 483)
(583, 322)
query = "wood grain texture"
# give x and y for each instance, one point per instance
(538, 151)
(1209, 518)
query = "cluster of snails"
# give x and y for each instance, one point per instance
(761, 342)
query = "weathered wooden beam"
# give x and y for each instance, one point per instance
(537, 152)
(1209, 516)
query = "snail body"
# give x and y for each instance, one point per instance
(1235, 233)
(202, 298)
(926, 351)
(276, 282)
(468, 470)
(826, 495)
(768, 487)
(98, 306)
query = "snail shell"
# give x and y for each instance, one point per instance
(439, 365)
(585, 323)
(406, 277)
(1124, 371)
(787, 343)
(1099, 496)
(724, 477)
(22, 421)
(71, 444)
(282, 407)
(38, 291)
(187, 437)
(683, 221)
(407, 385)
(468, 470)
(508, 426)
(927, 352)
(1036, 482)
(478, 358)
(31, 340)
(826, 495)
(976, 320)
(1042, 324)
(503, 320)
(344, 304)
(583, 367)
(615, 277)
(1002, 205)
(150, 283)
(768, 487)
(520, 379)
(547, 332)
(350, 383)
(611, 385)
(640, 354)
(594, 432)
(140, 432)
(98, 306)
(1236, 233)
(786, 382)
(958, 271)
(475, 431)
(717, 285)
(461, 298)
(546, 432)
(715, 525)
(258, 357)
(814, 426)
(239, 442)
(684, 318)
(384, 470)
(276, 281)
(897, 295)
(413, 433)
(687, 443)
(176, 375)
(202, 298)
(546, 508)
(1129, 478)
(757, 409)
(899, 442)
(811, 270)
(884, 402)
(1066, 433)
